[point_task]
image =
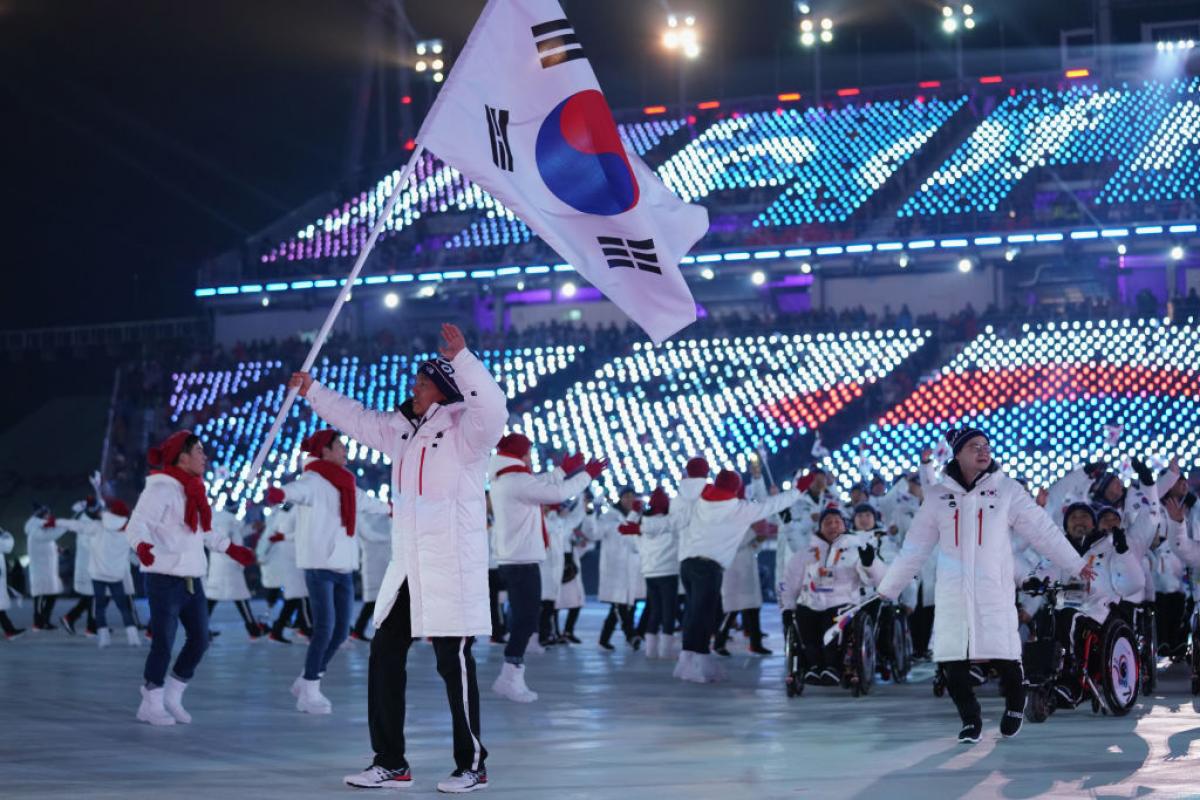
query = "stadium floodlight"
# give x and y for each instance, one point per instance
(965, 265)
(681, 35)
(1177, 253)
(758, 278)
(431, 59)
(568, 290)
(391, 300)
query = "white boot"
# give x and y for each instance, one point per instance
(296, 686)
(650, 645)
(711, 670)
(131, 637)
(534, 646)
(668, 646)
(103, 637)
(311, 701)
(151, 710)
(173, 700)
(511, 684)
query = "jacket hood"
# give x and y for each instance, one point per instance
(499, 462)
(952, 476)
(111, 521)
(713, 512)
(690, 488)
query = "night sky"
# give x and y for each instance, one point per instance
(141, 137)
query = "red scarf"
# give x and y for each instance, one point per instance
(525, 469)
(197, 513)
(342, 480)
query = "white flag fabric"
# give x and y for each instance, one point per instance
(521, 114)
(819, 451)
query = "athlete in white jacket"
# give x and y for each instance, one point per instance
(969, 517)
(374, 536)
(436, 584)
(169, 528)
(561, 521)
(522, 539)
(227, 578)
(6, 546)
(327, 502)
(707, 547)
(42, 533)
(108, 566)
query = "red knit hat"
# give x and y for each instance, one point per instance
(315, 445)
(514, 445)
(728, 481)
(118, 508)
(697, 468)
(168, 452)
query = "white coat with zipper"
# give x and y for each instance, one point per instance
(1118, 577)
(41, 545)
(439, 522)
(717, 527)
(518, 517)
(108, 550)
(560, 527)
(971, 529)
(659, 542)
(278, 559)
(827, 575)
(322, 541)
(374, 535)
(621, 580)
(157, 519)
(741, 587)
(226, 577)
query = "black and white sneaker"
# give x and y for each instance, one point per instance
(1065, 697)
(971, 733)
(374, 777)
(1010, 723)
(462, 781)
(607, 646)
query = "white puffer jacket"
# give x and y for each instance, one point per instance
(41, 545)
(827, 575)
(226, 577)
(1118, 577)
(439, 525)
(157, 518)
(278, 559)
(108, 549)
(1170, 573)
(321, 539)
(621, 578)
(659, 542)
(972, 530)
(898, 507)
(81, 578)
(374, 536)
(793, 535)
(1185, 547)
(717, 527)
(517, 500)
(7, 543)
(560, 527)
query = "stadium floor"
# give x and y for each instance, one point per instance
(609, 725)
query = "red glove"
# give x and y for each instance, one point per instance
(594, 468)
(803, 483)
(659, 502)
(572, 464)
(276, 537)
(144, 555)
(242, 555)
(50, 522)
(638, 505)
(275, 496)
(629, 529)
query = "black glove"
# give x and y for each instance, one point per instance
(866, 555)
(786, 515)
(1031, 585)
(1143, 472)
(1120, 540)
(788, 617)
(1189, 500)
(1095, 469)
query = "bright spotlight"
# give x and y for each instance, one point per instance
(1010, 254)
(965, 265)
(682, 35)
(903, 262)
(950, 25)
(266, 302)
(1177, 253)
(391, 300)
(1122, 249)
(568, 289)
(758, 278)
(808, 39)
(947, 11)
(969, 23)
(707, 274)
(805, 268)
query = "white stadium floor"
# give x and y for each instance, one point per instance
(608, 725)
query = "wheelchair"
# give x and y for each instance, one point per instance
(858, 648)
(1194, 649)
(894, 650)
(1141, 618)
(1106, 659)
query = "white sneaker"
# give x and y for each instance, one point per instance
(311, 701)
(173, 700)
(712, 671)
(650, 645)
(690, 667)
(132, 638)
(380, 778)
(511, 684)
(668, 646)
(535, 646)
(296, 685)
(464, 780)
(151, 710)
(103, 637)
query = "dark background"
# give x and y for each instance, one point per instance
(143, 136)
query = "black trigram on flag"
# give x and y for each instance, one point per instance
(631, 253)
(497, 120)
(556, 42)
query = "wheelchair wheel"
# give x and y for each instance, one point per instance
(1195, 685)
(1118, 667)
(902, 657)
(794, 679)
(1149, 642)
(1041, 704)
(865, 654)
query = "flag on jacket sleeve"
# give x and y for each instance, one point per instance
(522, 115)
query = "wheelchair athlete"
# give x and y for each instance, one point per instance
(1188, 551)
(1085, 607)
(834, 570)
(894, 642)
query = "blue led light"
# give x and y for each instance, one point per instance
(429, 276)
(888, 246)
(1020, 238)
(831, 250)
(954, 242)
(1146, 230)
(1110, 233)
(921, 244)
(987, 241)
(736, 256)
(227, 290)
(1085, 234)
(327, 283)
(376, 279)
(1049, 237)
(763, 255)
(302, 284)
(401, 278)
(205, 292)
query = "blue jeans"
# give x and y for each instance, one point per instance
(100, 592)
(524, 583)
(702, 582)
(331, 595)
(175, 601)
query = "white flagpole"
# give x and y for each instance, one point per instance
(318, 342)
